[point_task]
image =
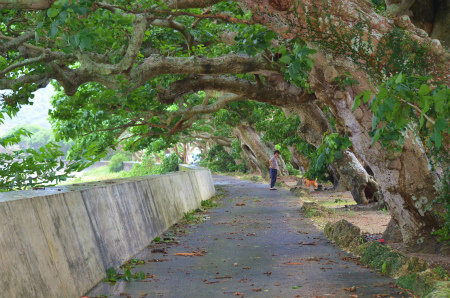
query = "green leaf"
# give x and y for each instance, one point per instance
(321, 159)
(52, 12)
(439, 100)
(424, 89)
(422, 120)
(285, 59)
(53, 31)
(338, 155)
(366, 96)
(440, 124)
(437, 138)
(111, 272)
(357, 102)
(374, 122)
(85, 42)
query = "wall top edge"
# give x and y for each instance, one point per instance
(52, 190)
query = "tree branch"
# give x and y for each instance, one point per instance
(22, 63)
(230, 64)
(247, 89)
(183, 4)
(15, 42)
(26, 4)
(126, 64)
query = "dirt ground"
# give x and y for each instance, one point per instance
(371, 223)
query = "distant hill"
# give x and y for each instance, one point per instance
(33, 114)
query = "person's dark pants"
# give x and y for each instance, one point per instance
(273, 175)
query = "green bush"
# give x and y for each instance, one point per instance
(291, 170)
(218, 160)
(116, 162)
(169, 164)
(147, 167)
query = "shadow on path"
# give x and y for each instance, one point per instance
(263, 249)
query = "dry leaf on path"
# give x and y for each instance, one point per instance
(161, 250)
(240, 204)
(352, 289)
(189, 254)
(215, 281)
(308, 243)
(293, 263)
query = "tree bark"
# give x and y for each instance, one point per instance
(298, 161)
(26, 4)
(406, 182)
(257, 154)
(352, 175)
(357, 180)
(405, 179)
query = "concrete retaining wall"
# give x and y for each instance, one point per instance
(59, 242)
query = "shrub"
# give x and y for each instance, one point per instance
(169, 164)
(218, 160)
(147, 167)
(291, 170)
(116, 162)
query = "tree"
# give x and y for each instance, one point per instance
(140, 71)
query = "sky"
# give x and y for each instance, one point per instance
(32, 114)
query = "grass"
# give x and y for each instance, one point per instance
(336, 203)
(96, 174)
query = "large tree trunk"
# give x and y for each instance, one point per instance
(352, 175)
(406, 182)
(358, 181)
(257, 154)
(298, 160)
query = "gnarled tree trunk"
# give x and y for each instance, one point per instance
(405, 178)
(352, 175)
(257, 154)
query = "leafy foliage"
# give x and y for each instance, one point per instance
(27, 168)
(112, 276)
(116, 164)
(169, 164)
(332, 147)
(397, 51)
(402, 101)
(218, 160)
(146, 167)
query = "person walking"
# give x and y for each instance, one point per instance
(273, 162)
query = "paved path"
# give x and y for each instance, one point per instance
(252, 251)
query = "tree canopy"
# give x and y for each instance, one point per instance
(360, 81)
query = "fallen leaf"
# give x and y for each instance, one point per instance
(189, 254)
(293, 263)
(308, 243)
(352, 289)
(216, 281)
(161, 250)
(257, 290)
(240, 204)
(238, 294)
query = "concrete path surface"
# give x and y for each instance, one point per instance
(263, 249)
